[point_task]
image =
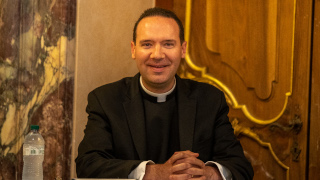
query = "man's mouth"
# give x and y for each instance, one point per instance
(158, 66)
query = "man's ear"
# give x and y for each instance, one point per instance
(184, 49)
(133, 50)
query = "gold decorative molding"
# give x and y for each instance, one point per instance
(238, 129)
(205, 76)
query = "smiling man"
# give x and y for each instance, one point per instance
(158, 51)
(156, 125)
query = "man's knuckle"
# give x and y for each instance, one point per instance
(171, 177)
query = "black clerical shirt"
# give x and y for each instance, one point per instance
(162, 128)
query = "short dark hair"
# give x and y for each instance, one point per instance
(156, 11)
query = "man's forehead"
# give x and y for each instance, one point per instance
(155, 20)
(157, 25)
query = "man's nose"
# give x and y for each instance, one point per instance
(157, 53)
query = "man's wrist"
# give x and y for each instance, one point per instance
(212, 173)
(139, 172)
(151, 172)
(225, 172)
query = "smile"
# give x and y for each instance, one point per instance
(158, 68)
(162, 66)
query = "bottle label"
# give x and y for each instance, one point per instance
(33, 151)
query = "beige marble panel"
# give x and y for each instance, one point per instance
(36, 82)
(104, 32)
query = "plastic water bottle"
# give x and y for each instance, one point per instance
(33, 155)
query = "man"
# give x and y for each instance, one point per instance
(156, 125)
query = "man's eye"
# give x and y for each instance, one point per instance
(168, 45)
(146, 45)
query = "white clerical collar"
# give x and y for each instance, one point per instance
(161, 97)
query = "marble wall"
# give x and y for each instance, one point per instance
(37, 47)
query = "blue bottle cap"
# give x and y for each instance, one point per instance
(34, 127)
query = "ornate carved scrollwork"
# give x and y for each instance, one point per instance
(295, 125)
(238, 129)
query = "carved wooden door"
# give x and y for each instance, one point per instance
(258, 53)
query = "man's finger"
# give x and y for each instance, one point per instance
(191, 160)
(180, 155)
(179, 176)
(198, 177)
(180, 167)
(192, 171)
(188, 152)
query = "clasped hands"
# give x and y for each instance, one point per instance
(182, 165)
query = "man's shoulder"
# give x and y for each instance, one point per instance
(119, 87)
(115, 85)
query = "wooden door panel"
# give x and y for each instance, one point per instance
(265, 163)
(258, 53)
(314, 155)
(237, 44)
(236, 30)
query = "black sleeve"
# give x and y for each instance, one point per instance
(228, 150)
(96, 153)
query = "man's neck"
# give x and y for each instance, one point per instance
(161, 97)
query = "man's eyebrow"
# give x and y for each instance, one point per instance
(148, 40)
(145, 40)
(169, 40)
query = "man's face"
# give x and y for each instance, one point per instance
(158, 52)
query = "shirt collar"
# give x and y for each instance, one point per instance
(161, 97)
